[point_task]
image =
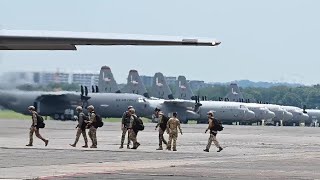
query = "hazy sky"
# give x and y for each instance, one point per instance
(267, 40)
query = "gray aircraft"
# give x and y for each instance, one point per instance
(55, 104)
(280, 114)
(107, 83)
(135, 85)
(160, 88)
(183, 89)
(58, 40)
(314, 117)
(299, 115)
(228, 112)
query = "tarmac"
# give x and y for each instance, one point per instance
(250, 152)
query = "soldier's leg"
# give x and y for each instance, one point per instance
(209, 141)
(216, 142)
(123, 136)
(128, 144)
(94, 137)
(160, 138)
(132, 136)
(30, 137)
(84, 137)
(174, 146)
(163, 140)
(79, 131)
(39, 136)
(170, 141)
(90, 135)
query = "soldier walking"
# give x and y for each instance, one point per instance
(35, 127)
(125, 123)
(172, 129)
(92, 126)
(213, 133)
(81, 128)
(162, 124)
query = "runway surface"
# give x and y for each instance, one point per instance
(250, 152)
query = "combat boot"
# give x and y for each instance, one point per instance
(220, 149)
(206, 150)
(128, 146)
(160, 148)
(29, 145)
(121, 146)
(46, 142)
(73, 145)
(174, 149)
(85, 146)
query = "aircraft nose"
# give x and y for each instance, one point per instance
(250, 115)
(270, 115)
(287, 115)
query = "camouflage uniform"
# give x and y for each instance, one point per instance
(213, 136)
(35, 129)
(125, 125)
(93, 130)
(162, 128)
(81, 129)
(172, 129)
(133, 132)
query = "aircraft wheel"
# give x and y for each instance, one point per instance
(62, 117)
(56, 116)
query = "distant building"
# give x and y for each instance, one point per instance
(48, 77)
(171, 80)
(147, 80)
(88, 79)
(196, 85)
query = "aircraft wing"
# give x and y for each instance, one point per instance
(59, 40)
(179, 102)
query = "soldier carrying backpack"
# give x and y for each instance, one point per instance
(214, 126)
(37, 122)
(162, 124)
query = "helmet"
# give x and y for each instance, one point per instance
(31, 108)
(174, 113)
(129, 107)
(156, 109)
(90, 107)
(132, 110)
(210, 113)
(79, 108)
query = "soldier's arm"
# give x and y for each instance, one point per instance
(209, 125)
(123, 121)
(168, 125)
(179, 127)
(34, 119)
(159, 121)
(92, 118)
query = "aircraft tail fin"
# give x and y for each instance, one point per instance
(160, 88)
(183, 89)
(107, 83)
(135, 85)
(234, 93)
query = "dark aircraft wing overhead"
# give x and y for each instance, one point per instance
(53, 40)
